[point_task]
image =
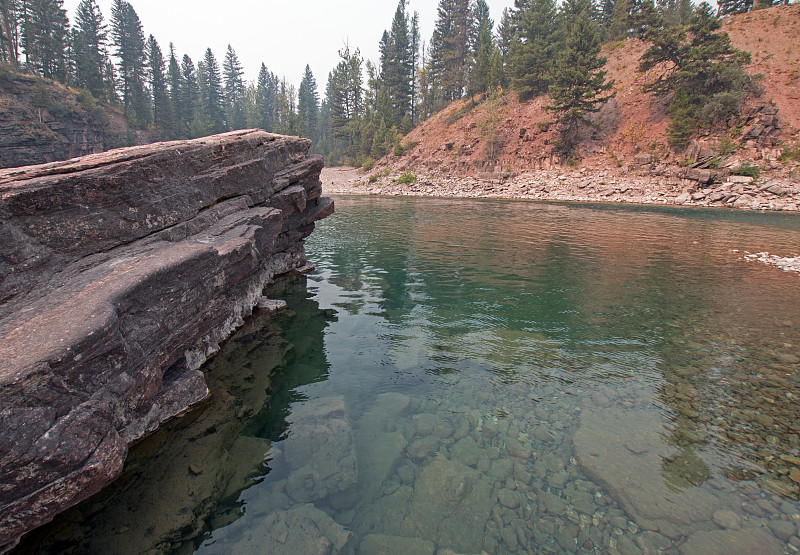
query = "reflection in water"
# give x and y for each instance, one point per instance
(498, 376)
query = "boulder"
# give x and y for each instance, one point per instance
(120, 274)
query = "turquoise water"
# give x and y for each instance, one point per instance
(467, 376)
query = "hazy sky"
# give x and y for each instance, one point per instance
(285, 35)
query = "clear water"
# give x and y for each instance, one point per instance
(490, 376)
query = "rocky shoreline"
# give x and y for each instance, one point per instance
(120, 274)
(678, 186)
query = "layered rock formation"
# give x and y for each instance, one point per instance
(120, 274)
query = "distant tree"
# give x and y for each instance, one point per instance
(579, 84)
(451, 49)
(89, 48)
(397, 66)
(701, 69)
(532, 57)
(416, 43)
(234, 89)
(128, 40)
(176, 87)
(212, 94)
(192, 116)
(266, 99)
(162, 107)
(44, 32)
(481, 74)
(344, 94)
(11, 18)
(308, 105)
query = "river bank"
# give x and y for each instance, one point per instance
(693, 188)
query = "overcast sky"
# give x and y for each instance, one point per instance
(285, 35)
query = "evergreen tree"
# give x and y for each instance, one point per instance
(532, 58)
(11, 18)
(266, 99)
(415, 63)
(234, 89)
(579, 84)
(701, 68)
(308, 105)
(44, 33)
(212, 94)
(479, 82)
(89, 52)
(128, 40)
(176, 86)
(162, 107)
(397, 65)
(191, 102)
(344, 96)
(451, 49)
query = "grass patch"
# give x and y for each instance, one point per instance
(748, 170)
(406, 178)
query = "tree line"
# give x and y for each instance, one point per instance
(162, 91)
(537, 48)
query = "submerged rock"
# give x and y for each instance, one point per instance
(301, 529)
(732, 542)
(120, 274)
(625, 452)
(320, 450)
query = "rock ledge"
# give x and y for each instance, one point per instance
(120, 274)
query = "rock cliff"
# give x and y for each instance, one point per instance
(120, 274)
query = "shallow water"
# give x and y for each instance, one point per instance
(490, 375)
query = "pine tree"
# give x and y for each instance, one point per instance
(700, 67)
(344, 96)
(212, 94)
(128, 40)
(579, 84)
(162, 107)
(308, 105)
(191, 102)
(176, 86)
(397, 65)
(532, 58)
(11, 18)
(480, 76)
(89, 50)
(451, 49)
(266, 99)
(44, 33)
(415, 64)
(234, 89)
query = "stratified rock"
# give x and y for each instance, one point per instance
(120, 274)
(302, 529)
(320, 450)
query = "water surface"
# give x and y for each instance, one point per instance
(491, 375)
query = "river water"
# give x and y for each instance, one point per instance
(466, 376)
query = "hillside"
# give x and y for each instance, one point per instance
(498, 139)
(44, 121)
